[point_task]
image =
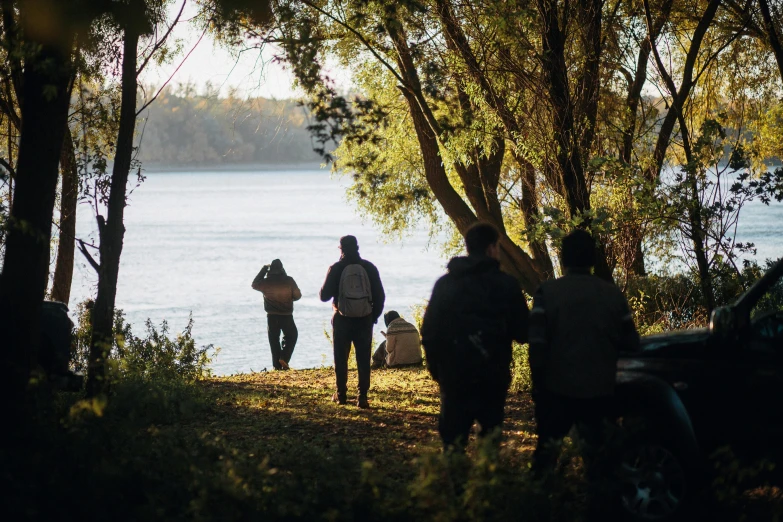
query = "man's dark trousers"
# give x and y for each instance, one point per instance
(556, 414)
(285, 324)
(461, 406)
(356, 330)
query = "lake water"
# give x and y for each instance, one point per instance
(195, 241)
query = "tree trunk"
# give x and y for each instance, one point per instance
(45, 101)
(677, 112)
(63, 270)
(112, 229)
(458, 42)
(632, 103)
(571, 149)
(772, 34)
(529, 207)
(513, 259)
(679, 96)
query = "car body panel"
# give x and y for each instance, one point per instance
(728, 385)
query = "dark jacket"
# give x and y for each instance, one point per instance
(473, 287)
(280, 291)
(331, 287)
(578, 324)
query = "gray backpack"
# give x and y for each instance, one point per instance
(354, 298)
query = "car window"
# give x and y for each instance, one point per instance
(769, 327)
(771, 302)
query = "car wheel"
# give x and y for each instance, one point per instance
(652, 482)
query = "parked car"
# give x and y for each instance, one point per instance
(690, 392)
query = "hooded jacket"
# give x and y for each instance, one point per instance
(474, 287)
(280, 291)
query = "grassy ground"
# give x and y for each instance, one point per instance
(273, 446)
(276, 409)
(277, 414)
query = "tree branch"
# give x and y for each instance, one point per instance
(162, 41)
(361, 38)
(155, 97)
(8, 167)
(91, 260)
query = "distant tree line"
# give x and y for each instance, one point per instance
(185, 127)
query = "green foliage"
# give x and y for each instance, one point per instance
(272, 446)
(82, 335)
(673, 301)
(734, 476)
(159, 357)
(665, 302)
(155, 357)
(387, 172)
(454, 487)
(521, 380)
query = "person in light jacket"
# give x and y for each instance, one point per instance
(402, 346)
(280, 292)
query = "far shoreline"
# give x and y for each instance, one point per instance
(232, 167)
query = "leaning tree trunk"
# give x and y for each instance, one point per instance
(66, 246)
(686, 84)
(458, 42)
(694, 210)
(24, 278)
(513, 259)
(772, 34)
(112, 230)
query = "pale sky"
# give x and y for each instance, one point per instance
(252, 72)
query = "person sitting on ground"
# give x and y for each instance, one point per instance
(402, 346)
(280, 292)
(474, 314)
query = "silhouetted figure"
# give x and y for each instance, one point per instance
(474, 314)
(402, 346)
(355, 288)
(578, 324)
(280, 292)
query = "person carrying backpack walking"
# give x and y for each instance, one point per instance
(474, 314)
(280, 292)
(354, 286)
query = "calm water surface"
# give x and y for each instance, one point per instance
(195, 241)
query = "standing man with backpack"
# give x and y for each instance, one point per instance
(355, 288)
(474, 314)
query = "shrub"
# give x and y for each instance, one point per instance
(160, 357)
(665, 301)
(156, 356)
